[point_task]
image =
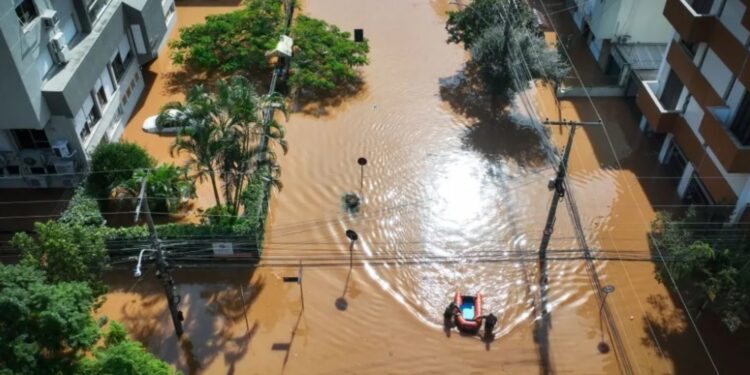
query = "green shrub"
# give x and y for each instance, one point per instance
(114, 163)
(65, 252)
(82, 210)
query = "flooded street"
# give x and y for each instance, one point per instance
(455, 199)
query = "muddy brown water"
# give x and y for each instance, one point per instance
(455, 198)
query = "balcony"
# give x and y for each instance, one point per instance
(682, 63)
(691, 26)
(733, 156)
(659, 119)
(710, 175)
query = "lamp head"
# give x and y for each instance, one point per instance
(137, 272)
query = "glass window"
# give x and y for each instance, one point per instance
(118, 67)
(702, 6)
(94, 8)
(671, 92)
(101, 96)
(91, 118)
(740, 125)
(30, 138)
(121, 59)
(26, 11)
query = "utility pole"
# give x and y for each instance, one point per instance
(558, 184)
(162, 268)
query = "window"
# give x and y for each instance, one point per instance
(702, 6)
(168, 9)
(101, 97)
(30, 138)
(740, 125)
(118, 67)
(89, 116)
(121, 59)
(26, 11)
(13, 170)
(94, 8)
(671, 92)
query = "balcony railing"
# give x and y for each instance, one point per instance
(661, 120)
(733, 156)
(691, 26)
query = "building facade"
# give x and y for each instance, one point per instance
(71, 77)
(627, 38)
(699, 103)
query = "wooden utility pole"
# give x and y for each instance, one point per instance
(162, 268)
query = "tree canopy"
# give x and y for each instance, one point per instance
(65, 252)
(121, 356)
(711, 272)
(45, 328)
(114, 163)
(231, 42)
(503, 41)
(325, 58)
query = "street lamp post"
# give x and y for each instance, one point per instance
(603, 346)
(362, 162)
(353, 237)
(137, 272)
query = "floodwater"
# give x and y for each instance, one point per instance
(455, 199)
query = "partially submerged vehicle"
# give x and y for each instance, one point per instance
(170, 117)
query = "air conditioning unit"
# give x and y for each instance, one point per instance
(61, 149)
(32, 158)
(65, 167)
(58, 48)
(36, 181)
(50, 18)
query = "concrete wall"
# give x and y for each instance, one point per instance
(70, 87)
(20, 98)
(642, 20)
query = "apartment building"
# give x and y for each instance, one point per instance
(627, 38)
(700, 103)
(70, 72)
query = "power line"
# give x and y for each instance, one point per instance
(643, 218)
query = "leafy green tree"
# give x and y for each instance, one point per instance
(45, 329)
(65, 252)
(711, 272)
(468, 24)
(231, 42)
(114, 163)
(502, 40)
(121, 356)
(167, 187)
(325, 58)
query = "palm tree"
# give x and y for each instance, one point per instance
(167, 187)
(199, 136)
(223, 131)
